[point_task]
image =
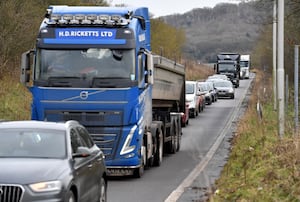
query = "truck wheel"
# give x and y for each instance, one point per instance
(174, 139)
(158, 156)
(173, 145)
(178, 142)
(138, 172)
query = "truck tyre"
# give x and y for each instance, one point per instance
(174, 142)
(178, 143)
(138, 172)
(173, 145)
(158, 156)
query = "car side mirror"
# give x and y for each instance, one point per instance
(81, 152)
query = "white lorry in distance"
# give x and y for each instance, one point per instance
(245, 66)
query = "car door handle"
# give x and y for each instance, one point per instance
(90, 165)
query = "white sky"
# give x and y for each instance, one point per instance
(168, 7)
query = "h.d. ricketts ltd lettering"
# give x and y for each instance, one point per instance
(85, 34)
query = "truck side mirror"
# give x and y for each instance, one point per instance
(149, 68)
(25, 67)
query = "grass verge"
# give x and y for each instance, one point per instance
(15, 99)
(262, 166)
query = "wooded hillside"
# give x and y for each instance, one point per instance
(224, 28)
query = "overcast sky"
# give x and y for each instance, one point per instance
(167, 7)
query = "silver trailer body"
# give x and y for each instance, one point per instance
(169, 82)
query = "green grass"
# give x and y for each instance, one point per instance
(15, 99)
(262, 166)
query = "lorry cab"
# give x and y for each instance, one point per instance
(245, 66)
(229, 65)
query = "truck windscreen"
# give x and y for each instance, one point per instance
(227, 67)
(244, 63)
(85, 64)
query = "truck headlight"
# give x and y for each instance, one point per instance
(126, 147)
(46, 186)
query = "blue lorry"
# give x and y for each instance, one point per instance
(95, 65)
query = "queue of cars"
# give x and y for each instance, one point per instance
(48, 161)
(201, 93)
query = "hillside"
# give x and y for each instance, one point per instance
(226, 27)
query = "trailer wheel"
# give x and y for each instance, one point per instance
(174, 139)
(178, 142)
(158, 156)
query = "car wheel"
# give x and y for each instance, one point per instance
(71, 197)
(103, 190)
(183, 124)
(193, 114)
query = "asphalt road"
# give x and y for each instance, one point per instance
(190, 173)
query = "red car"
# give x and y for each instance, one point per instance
(185, 116)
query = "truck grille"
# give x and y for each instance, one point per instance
(87, 118)
(107, 140)
(11, 193)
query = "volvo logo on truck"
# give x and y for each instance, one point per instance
(84, 95)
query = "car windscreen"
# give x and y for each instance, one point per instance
(223, 84)
(189, 88)
(32, 143)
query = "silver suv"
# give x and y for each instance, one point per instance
(48, 161)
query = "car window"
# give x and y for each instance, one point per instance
(75, 140)
(32, 143)
(189, 88)
(85, 137)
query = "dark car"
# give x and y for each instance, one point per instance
(212, 90)
(224, 88)
(204, 90)
(47, 161)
